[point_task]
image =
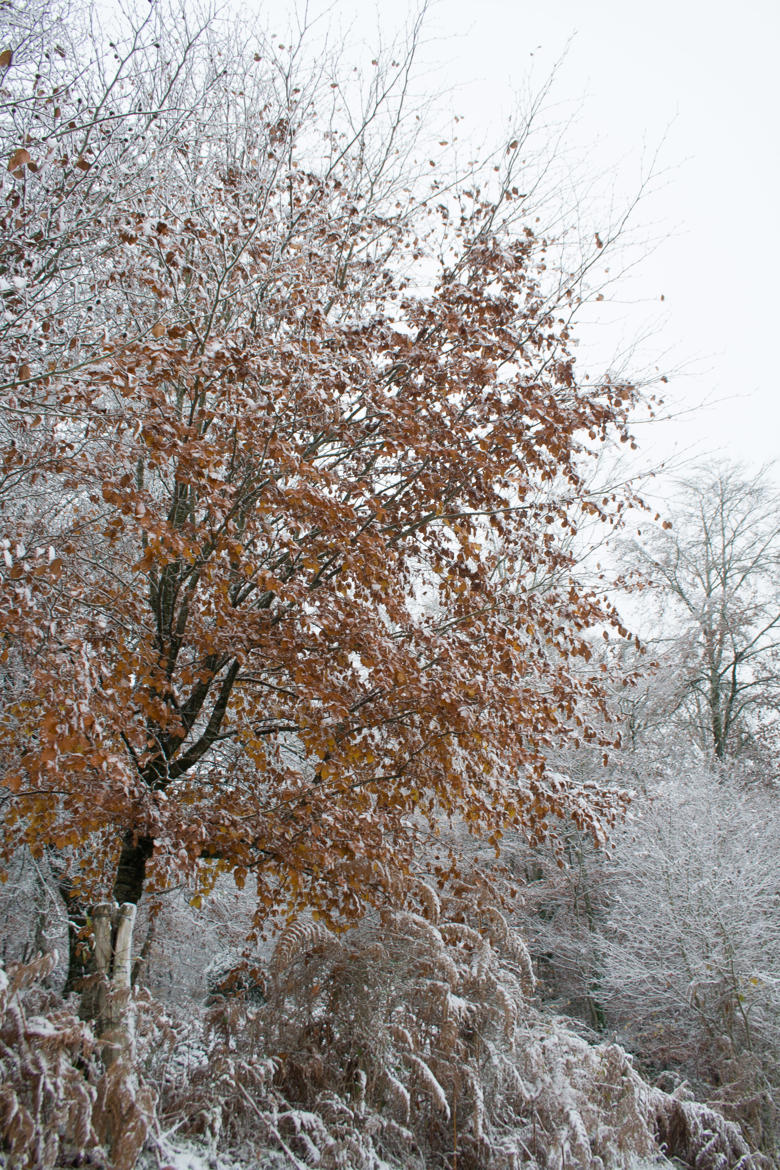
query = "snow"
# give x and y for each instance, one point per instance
(170, 1155)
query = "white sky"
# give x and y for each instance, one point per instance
(699, 79)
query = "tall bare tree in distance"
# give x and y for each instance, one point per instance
(715, 573)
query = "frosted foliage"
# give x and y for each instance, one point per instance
(31, 914)
(410, 1042)
(57, 1103)
(691, 946)
(404, 1044)
(668, 941)
(186, 951)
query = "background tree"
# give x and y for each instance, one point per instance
(715, 574)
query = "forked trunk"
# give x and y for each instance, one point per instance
(128, 888)
(106, 998)
(107, 995)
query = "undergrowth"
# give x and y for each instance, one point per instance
(410, 1041)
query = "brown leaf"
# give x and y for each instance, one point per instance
(6, 57)
(18, 160)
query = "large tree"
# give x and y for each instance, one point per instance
(287, 450)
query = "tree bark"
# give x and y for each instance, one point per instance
(112, 959)
(78, 950)
(131, 870)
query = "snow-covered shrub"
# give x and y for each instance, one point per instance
(668, 939)
(58, 1105)
(690, 948)
(411, 1041)
(48, 1072)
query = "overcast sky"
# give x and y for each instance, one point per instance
(698, 81)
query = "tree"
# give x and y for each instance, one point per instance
(296, 391)
(716, 569)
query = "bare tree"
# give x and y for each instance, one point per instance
(714, 571)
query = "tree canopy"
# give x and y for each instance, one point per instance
(293, 447)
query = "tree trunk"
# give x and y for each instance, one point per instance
(128, 888)
(131, 870)
(78, 949)
(109, 991)
(125, 1105)
(106, 994)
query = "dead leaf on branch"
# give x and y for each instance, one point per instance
(253, 509)
(18, 160)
